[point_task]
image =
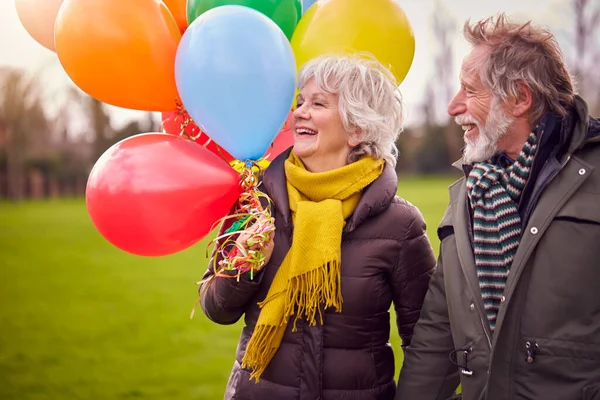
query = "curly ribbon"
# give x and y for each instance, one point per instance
(184, 119)
(249, 212)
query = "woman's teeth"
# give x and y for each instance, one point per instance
(305, 131)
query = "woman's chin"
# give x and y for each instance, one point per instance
(302, 150)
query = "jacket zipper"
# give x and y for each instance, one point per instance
(485, 330)
(471, 242)
(533, 345)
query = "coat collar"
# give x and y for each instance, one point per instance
(375, 198)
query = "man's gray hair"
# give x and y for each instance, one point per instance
(522, 53)
(370, 104)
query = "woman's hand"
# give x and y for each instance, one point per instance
(250, 240)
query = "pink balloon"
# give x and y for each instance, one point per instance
(155, 194)
(38, 18)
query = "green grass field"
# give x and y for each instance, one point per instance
(80, 319)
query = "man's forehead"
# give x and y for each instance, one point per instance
(469, 72)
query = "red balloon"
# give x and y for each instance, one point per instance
(172, 124)
(155, 194)
(283, 141)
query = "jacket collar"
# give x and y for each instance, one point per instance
(375, 198)
(275, 186)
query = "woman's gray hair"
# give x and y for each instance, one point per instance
(370, 104)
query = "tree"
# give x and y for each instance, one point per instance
(99, 120)
(444, 27)
(22, 119)
(441, 143)
(587, 50)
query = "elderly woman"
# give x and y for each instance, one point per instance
(317, 322)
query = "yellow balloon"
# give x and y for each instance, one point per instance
(378, 27)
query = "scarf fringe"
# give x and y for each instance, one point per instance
(308, 291)
(262, 348)
(305, 294)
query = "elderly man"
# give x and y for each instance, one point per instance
(513, 310)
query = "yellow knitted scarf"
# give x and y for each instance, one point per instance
(309, 276)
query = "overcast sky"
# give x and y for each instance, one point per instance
(18, 49)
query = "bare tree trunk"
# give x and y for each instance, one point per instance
(101, 126)
(442, 90)
(587, 54)
(14, 167)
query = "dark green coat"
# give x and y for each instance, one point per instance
(546, 344)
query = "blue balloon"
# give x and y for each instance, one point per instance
(236, 75)
(306, 4)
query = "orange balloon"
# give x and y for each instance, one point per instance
(121, 52)
(178, 9)
(38, 17)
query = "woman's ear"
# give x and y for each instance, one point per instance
(354, 138)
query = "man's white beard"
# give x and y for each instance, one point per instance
(485, 145)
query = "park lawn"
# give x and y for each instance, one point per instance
(80, 319)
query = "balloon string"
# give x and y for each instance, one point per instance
(231, 259)
(185, 120)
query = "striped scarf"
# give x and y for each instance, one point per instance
(494, 194)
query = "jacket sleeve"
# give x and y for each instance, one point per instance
(224, 300)
(410, 279)
(427, 372)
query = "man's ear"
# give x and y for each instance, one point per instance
(521, 104)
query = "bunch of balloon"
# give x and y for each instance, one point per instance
(236, 75)
(222, 76)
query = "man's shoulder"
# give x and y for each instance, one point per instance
(590, 152)
(454, 191)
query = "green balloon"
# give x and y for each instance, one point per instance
(285, 13)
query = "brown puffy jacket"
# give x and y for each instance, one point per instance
(386, 257)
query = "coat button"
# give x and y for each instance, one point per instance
(472, 306)
(582, 171)
(533, 230)
(502, 299)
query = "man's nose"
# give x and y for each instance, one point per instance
(457, 105)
